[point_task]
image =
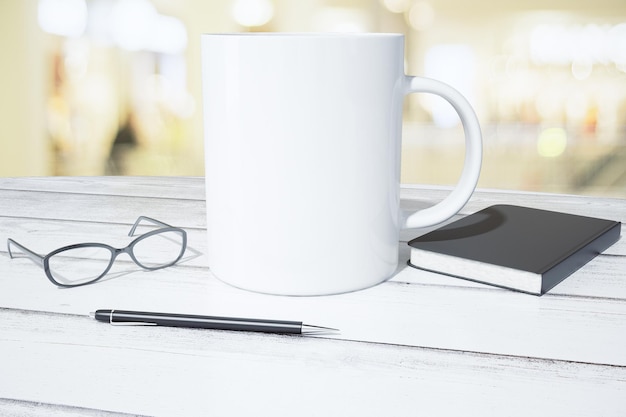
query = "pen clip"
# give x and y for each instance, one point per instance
(128, 323)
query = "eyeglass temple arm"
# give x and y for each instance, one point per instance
(148, 219)
(38, 259)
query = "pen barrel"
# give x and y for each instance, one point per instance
(201, 322)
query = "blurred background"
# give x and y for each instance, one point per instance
(113, 87)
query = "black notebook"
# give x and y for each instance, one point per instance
(514, 247)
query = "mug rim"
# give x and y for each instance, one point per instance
(307, 34)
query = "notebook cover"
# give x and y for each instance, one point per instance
(550, 244)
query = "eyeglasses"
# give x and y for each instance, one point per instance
(84, 263)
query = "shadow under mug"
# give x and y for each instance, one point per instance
(302, 154)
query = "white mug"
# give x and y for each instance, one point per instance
(302, 157)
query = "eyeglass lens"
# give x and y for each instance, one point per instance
(159, 250)
(79, 265)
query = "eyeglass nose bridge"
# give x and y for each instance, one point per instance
(127, 250)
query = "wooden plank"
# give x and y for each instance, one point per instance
(186, 188)
(602, 277)
(101, 208)
(116, 209)
(416, 195)
(106, 188)
(15, 408)
(604, 207)
(193, 188)
(591, 330)
(162, 371)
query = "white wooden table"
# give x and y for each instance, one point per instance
(419, 344)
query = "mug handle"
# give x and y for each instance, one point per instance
(455, 201)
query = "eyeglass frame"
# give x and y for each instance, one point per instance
(43, 260)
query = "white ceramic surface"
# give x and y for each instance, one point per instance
(302, 153)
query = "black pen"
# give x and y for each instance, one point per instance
(129, 318)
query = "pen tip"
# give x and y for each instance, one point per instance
(310, 329)
(92, 314)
